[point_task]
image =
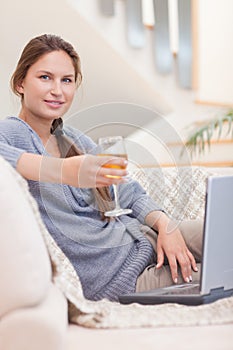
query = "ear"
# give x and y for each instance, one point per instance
(20, 88)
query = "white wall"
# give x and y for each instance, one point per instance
(215, 51)
(107, 76)
(113, 72)
(184, 108)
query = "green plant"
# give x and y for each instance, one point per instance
(201, 136)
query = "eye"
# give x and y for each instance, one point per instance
(44, 77)
(67, 80)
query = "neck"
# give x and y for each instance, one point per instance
(39, 125)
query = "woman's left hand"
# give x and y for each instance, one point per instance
(170, 243)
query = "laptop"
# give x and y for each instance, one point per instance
(216, 279)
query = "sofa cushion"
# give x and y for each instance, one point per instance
(41, 327)
(180, 191)
(24, 261)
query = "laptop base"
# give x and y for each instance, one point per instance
(153, 297)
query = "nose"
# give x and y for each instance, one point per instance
(56, 88)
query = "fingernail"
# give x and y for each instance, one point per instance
(195, 269)
(190, 278)
(175, 280)
(187, 280)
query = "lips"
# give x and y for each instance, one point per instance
(54, 103)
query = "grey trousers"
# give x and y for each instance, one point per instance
(152, 278)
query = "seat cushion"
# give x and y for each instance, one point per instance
(24, 262)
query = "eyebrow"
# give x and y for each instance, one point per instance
(50, 73)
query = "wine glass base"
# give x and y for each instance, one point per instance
(118, 212)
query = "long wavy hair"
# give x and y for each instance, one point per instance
(36, 48)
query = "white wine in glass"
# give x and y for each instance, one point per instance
(114, 146)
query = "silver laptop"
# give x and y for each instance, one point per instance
(216, 280)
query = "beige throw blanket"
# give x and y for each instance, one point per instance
(181, 193)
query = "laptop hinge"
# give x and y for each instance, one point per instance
(216, 291)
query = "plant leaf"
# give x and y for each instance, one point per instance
(201, 136)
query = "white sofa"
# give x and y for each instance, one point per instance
(34, 311)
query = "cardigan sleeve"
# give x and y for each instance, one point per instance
(134, 196)
(10, 153)
(10, 148)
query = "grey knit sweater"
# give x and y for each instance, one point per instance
(108, 256)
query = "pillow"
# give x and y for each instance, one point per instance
(24, 262)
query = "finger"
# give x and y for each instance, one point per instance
(106, 182)
(111, 176)
(118, 161)
(108, 161)
(113, 173)
(193, 261)
(185, 266)
(160, 257)
(103, 178)
(112, 167)
(173, 268)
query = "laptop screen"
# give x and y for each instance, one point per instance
(217, 260)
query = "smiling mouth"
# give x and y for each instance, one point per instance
(54, 103)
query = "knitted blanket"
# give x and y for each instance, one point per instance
(181, 193)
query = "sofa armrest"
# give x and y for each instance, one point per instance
(41, 327)
(24, 261)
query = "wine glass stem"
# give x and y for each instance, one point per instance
(115, 191)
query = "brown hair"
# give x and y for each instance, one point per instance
(69, 149)
(36, 48)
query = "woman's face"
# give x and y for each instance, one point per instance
(49, 87)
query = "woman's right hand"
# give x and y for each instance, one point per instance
(88, 171)
(85, 171)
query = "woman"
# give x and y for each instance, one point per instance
(73, 190)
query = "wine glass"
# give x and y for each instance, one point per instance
(114, 146)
